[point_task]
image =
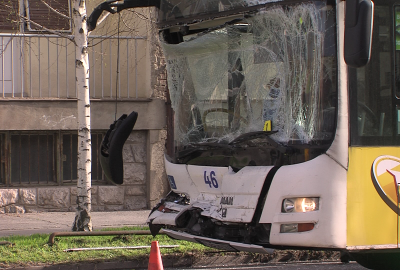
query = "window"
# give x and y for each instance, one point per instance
(44, 158)
(9, 19)
(69, 150)
(97, 171)
(2, 159)
(374, 105)
(33, 158)
(52, 14)
(70, 156)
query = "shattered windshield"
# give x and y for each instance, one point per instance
(177, 9)
(274, 70)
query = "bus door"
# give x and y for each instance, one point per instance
(396, 41)
(374, 154)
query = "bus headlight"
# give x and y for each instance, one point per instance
(296, 227)
(300, 205)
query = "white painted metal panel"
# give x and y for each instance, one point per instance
(321, 177)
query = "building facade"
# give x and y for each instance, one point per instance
(38, 107)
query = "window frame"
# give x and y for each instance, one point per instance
(31, 28)
(57, 179)
(376, 140)
(6, 14)
(32, 142)
(73, 171)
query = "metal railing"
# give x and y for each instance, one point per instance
(43, 66)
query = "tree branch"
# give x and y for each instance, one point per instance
(55, 10)
(42, 28)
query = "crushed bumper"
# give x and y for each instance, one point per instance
(216, 243)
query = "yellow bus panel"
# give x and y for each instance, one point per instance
(372, 196)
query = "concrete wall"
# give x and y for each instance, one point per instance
(56, 115)
(144, 175)
(145, 182)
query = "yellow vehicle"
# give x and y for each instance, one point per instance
(285, 126)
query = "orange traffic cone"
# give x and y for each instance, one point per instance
(155, 262)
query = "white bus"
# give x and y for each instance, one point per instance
(285, 125)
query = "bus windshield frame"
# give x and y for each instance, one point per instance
(263, 79)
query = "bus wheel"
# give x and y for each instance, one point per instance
(377, 261)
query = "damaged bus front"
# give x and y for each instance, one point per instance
(284, 128)
(258, 158)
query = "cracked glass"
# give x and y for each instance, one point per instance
(272, 70)
(177, 9)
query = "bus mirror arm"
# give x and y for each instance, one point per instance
(113, 6)
(358, 32)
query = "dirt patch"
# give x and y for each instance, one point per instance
(244, 258)
(193, 260)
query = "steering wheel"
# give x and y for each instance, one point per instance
(223, 110)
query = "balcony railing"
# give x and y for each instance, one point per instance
(43, 66)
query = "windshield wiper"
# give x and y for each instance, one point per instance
(195, 147)
(251, 136)
(261, 135)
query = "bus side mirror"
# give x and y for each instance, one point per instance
(111, 160)
(358, 32)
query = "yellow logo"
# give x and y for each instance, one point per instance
(385, 174)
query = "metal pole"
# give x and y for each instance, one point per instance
(30, 66)
(2, 63)
(113, 248)
(48, 68)
(66, 65)
(93, 73)
(102, 70)
(110, 45)
(58, 72)
(22, 64)
(127, 67)
(40, 82)
(136, 90)
(12, 67)
(97, 233)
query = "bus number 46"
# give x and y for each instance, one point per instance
(210, 180)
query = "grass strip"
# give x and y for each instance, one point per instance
(34, 249)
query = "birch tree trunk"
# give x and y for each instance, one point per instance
(83, 221)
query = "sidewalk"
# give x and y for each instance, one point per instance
(49, 222)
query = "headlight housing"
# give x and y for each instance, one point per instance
(297, 227)
(300, 205)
